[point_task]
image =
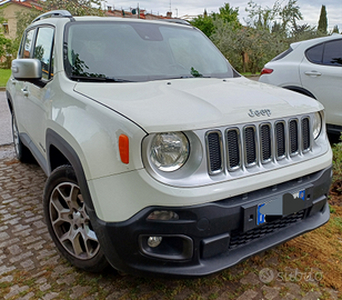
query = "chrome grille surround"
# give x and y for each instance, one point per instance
(255, 145)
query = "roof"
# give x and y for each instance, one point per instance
(26, 3)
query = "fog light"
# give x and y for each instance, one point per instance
(163, 215)
(154, 241)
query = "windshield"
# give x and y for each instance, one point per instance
(135, 51)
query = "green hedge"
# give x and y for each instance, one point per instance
(4, 76)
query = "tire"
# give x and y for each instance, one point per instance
(68, 221)
(22, 153)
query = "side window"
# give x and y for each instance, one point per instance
(333, 53)
(27, 49)
(43, 51)
(315, 54)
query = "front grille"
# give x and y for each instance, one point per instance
(254, 145)
(239, 239)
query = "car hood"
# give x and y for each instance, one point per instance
(196, 103)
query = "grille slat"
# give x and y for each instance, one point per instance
(280, 138)
(250, 146)
(306, 134)
(215, 152)
(293, 130)
(234, 159)
(266, 142)
(247, 147)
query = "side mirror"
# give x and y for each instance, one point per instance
(28, 69)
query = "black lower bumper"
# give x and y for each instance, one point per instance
(211, 237)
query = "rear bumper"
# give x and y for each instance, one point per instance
(210, 237)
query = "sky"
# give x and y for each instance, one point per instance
(310, 9)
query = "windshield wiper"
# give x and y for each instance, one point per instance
(98, 79)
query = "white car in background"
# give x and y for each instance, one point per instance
(313, 68)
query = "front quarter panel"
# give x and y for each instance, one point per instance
(93, 131)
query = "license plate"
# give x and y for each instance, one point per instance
(288, 204)
(261, 217)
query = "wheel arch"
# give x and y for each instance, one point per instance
(9, 101)
(59, 152)
(300, 90)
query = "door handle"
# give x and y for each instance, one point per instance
(25, 91)
(13, 81)
(313, 73)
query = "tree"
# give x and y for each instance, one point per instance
(262, 18)
(228, 15)
(323, 21)
(290, 14)
(336, 29)
(75, 7)
(6, 46)
(276, 19)
(206, 22)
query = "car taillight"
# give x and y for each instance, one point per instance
(266, 71)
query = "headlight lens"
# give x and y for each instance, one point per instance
(169, 151)
(317, 124)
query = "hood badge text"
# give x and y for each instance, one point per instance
(259, 113)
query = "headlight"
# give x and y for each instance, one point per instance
(317, 125)
(169, 151)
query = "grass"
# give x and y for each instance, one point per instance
(4, 76)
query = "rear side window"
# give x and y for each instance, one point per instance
(283, 54)
(329, 53)
(315, 54)
(333, 53)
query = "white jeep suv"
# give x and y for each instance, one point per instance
(160, 157)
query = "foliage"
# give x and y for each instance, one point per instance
(204, 23)
(226, 14)
(337, 161)
(75, 7)
(323, 21)
(269, 31)
(336, 29)
(6, 46)
(277, 19)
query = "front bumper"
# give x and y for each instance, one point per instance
(211, 237)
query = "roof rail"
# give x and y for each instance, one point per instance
(54, 14)
(178, 21)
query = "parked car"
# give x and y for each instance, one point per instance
(312, 68)
(160, 157)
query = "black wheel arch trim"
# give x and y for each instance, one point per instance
(300, 90)
(9, 101)
(54, 139)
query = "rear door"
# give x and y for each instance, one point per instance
(321, 74)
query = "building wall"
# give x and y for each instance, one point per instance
(9, 13)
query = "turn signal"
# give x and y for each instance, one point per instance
(124, 148)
